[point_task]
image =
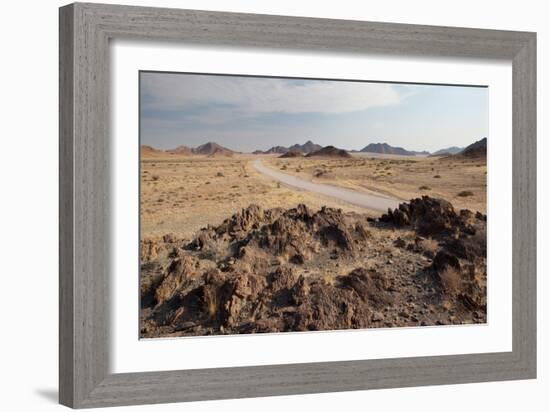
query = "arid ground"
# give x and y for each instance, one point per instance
(226, 249)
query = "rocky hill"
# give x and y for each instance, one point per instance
(212, 149)
(305, 148)
(277, 270)
(145, 150)
(477, 149)
(329, 151)
(447, 151)
(384, 148)
(273, 150)
(290, 154)
(181, 150)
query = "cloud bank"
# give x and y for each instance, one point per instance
(249, 113)
(180, 92)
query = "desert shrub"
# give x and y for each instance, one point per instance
(154, 178)
(211, 303)
(437, 177)
(219, 174)
(430, 245)
(424, 187)
(451, 280)
(465, 193)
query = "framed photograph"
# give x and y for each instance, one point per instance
(257, 205)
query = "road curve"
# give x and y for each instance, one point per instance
(370, 201)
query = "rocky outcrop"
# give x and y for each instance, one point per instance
(329, 151)
(297, 269)
(290, 155)
(462, 241)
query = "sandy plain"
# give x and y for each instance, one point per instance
(181, 194)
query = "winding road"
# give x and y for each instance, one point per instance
(370, 201)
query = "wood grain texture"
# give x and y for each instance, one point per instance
(85, 31)
(66, 229)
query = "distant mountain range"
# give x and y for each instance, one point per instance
(273, 150)
(447, 151)
(289, 155)
(183, 150)
(150, 150)
(476, 149)
(384, 148)
(211, 149)
(307, 147)
(329, 151)
(311, 149)
(207, 149)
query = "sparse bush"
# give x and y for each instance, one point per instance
(465, 193)
(154, 178)
(437, 177)
(328, 280)
(219, 174)
(211, 303)
(451, 280)
(424, 187)
(430, 245)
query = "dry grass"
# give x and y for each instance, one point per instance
(430, 245)
(328, 280)
(200, 190)
(403, 177)
(451, 280)
(211, 303)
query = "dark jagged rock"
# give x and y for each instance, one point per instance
(263, 270)
(427, 215)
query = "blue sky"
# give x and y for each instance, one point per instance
(249, 113)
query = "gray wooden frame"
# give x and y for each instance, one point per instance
(85, 31)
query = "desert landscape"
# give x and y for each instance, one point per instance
(310, 237)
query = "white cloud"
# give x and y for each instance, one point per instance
(261, 95)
